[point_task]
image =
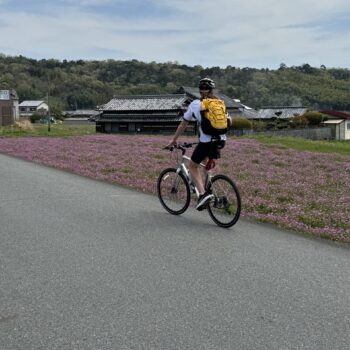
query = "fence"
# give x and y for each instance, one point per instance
(324, 133)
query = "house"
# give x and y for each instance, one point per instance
(28, 108)
(245, 112)
(9, 107)
(339, 122)
(80, 116)
(141, 113)
(284, 112)
(152, 113)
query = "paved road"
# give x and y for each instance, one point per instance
(88, 265)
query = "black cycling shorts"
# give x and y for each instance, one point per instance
(207, 149)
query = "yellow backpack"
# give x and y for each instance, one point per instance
(214, 117)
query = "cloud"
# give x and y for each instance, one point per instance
(208, 33)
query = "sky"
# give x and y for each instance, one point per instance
(238, 33)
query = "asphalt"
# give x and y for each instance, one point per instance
(90, 265)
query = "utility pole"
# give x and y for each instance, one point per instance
(48, 105)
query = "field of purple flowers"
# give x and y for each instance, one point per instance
(303, 191)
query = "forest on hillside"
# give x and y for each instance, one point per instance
(85, 84)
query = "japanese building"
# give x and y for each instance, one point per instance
(150, 113)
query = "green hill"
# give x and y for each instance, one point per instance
(85, 84)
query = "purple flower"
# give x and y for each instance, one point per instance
(303, 191)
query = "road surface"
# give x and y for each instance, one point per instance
(90, 265)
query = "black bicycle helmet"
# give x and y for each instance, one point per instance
(206, 84)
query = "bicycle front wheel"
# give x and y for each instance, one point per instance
(225, 207)
(173, 191)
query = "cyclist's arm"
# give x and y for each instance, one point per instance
(187, 117)
(180, 129)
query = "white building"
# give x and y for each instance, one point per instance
(341, 128)
(339, 121)
(28, 108)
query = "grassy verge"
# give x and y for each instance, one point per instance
(300, 144)
(64, 130)
(57, 130)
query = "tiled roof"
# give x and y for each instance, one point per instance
(81, 112)
(145, 103)
(191, 91)
(338, 114)
(280, 112)
(248, 113)
(30, 103)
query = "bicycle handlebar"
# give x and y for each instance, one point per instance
(181, 146)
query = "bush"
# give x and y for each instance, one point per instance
(314, 118)
(299, 121)
(24, 125)
(241, 123)
(258, 125)
(282, 123)
(35, 117)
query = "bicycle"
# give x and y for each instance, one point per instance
(174, 188)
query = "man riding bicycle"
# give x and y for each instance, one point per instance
(209, 146)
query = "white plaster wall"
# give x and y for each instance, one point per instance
(347, 130)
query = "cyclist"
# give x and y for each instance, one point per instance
(208, 146)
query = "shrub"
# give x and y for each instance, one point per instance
(314, 118)
(35, 117)
(258, 125)
(24, 125)
(282, 123)
(241, 123)
(299, 121)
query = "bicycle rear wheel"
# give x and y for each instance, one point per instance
(225, 207)
(173, 191)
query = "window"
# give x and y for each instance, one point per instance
(348, 125)
(32, 109)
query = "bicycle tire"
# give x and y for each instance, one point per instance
(225, 207)
(173, 191)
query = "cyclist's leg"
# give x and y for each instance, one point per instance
(214, 153)
(196, 176)
(199, 154)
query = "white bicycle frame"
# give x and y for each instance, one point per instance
(184, 170)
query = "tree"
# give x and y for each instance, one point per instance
(85, 84)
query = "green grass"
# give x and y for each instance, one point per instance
(57, 130)
(300, 144)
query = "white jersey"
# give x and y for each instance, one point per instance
(194, 111)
